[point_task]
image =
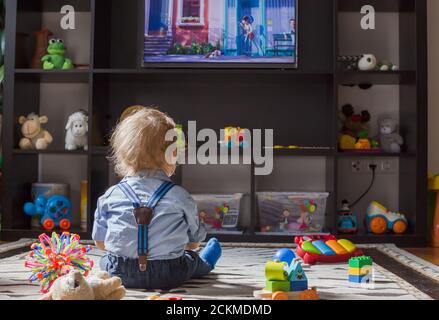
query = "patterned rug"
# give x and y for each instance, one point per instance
(240, 271)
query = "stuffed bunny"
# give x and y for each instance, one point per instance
(77, 128)
(73, 286)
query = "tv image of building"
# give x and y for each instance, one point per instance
(220, 30)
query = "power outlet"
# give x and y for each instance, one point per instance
(356, 166)
(383, 166)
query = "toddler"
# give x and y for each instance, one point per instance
(147, 225)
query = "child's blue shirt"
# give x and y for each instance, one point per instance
(174, 224)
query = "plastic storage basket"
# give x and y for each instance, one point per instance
(219, 212)
(292, 212)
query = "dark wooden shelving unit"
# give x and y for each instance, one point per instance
(300, 104)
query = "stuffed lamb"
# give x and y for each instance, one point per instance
(77, 128)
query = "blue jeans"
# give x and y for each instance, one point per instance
(160, 274)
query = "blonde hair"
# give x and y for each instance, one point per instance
(138, 142)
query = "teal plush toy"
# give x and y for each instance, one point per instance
(55, 59)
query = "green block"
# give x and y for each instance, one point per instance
(360, 262)
(274, 286)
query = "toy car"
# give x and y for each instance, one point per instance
(380, 220)
(55, 211)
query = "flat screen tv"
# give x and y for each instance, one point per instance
(215, 33)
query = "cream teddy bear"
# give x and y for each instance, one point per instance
(74, 286)
(34, 136)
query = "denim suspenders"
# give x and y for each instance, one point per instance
(143, 215)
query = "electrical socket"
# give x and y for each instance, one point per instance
(356, 166)
(383, 166)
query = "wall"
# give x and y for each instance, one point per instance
(433, 82)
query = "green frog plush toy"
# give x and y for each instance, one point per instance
(55, 59)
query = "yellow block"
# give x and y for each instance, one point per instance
(334, 245)
(347, 245)
(360, 271)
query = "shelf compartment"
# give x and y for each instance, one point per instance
(375, 77)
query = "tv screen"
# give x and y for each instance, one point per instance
(220, 32)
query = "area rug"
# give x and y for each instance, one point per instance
(398, 275)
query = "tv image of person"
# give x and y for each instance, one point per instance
(293, 33)
(247, 36)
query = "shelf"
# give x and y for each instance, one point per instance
(353, 154)
(379, 5)
(375, 77)
(400, 240)
(65, 76)
(209, 69)
(53, 152)
(14, 234)
(304, 152)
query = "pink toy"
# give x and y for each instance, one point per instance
(56, 256)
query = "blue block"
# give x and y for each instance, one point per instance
(298, 286)
(360, 279)
(323, 248)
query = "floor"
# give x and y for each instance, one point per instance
(429, 254)
(239, 273)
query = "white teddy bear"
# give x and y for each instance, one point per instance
(77, 128)
(73, 286)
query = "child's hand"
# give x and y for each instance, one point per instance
(100, 245)
(192, 246)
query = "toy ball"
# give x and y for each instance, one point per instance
(284, 255)
(53, 257)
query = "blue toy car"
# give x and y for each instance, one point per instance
(55, 211)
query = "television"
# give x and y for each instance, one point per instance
(220, 33)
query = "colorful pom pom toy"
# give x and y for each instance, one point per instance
(56, 256)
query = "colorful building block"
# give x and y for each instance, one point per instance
(336, 247)
(323, 248)
(274, 286)
(360, 262)
(276, 271)
(297, 277)
(360, 271)
(360, 279)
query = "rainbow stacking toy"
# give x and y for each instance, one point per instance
(325, 249)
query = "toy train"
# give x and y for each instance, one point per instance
(326, 249)
(55, 211)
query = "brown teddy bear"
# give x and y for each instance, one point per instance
(73, 286)
(34, 136)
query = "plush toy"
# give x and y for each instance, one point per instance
(368, 62)
(353, 123)
(34, 136)
(74, 286)
(387, 66)
(76, 131)
(388, 138)
(55, 59)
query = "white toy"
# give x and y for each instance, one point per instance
(73, 286)
(34, 136)
(367, 63)
(389, 139)
(387, 66)
(77, 128)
